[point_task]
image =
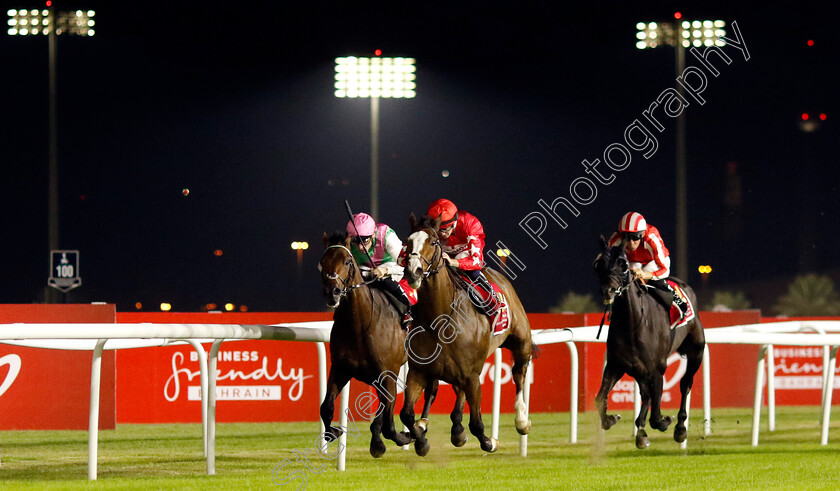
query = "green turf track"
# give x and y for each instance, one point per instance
(170, 457)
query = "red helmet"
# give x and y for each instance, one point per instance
(632, 222)
(362, 225)
(446, 210)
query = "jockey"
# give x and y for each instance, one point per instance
(649, 258)
(376, 248)
(462, 238)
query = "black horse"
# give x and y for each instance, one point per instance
(640, 341)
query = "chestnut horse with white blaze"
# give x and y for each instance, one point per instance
(450, 340)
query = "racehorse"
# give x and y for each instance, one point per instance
(366, 343)
(450, 340)
(640, 341)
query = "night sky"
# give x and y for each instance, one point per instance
(236, 104)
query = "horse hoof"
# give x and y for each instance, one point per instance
(421, 448)
(642, 441)
(664, 423)
(680, 434)
(406, 435)
(423, 424)
(402, 438)
(609, 421)
(460, 439)
(494, 445)
(525, 429)
(377, 449)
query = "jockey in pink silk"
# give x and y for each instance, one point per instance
(376, 248)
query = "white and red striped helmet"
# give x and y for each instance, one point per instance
(632, 222)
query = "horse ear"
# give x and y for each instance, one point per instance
(347, 241)
(412, 220)
(603, 243)
(437, 222)
(326, 239)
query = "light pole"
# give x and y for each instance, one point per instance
(299, 247)
(374, 78)
(681, 35)
(48, 22)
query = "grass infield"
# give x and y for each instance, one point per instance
(170, 456)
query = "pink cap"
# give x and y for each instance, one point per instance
(364, 225)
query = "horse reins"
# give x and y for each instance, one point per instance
(436, 258)
(344, 282)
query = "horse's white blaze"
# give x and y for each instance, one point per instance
(417, 239)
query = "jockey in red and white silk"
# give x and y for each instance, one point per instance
(649, 259)
(462, 239)
(652, 256)
(466, 244)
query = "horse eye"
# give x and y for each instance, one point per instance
(347, 262)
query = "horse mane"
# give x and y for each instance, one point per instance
(336, 238)
(427, 222)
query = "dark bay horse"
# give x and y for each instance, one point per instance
(367, 343)
(640, 341)
(450, 340)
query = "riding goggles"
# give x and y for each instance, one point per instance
(633, 235)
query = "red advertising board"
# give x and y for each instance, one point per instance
(48, 389)
(798, 371)
(732, 370)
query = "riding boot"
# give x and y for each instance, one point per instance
(681, 305)
(490, 305)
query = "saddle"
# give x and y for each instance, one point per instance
(492, 304)
(677, 318)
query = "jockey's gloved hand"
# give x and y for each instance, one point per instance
(380, 271)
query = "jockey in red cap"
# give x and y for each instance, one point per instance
(646, 252)
(462, 238)
(376, 248)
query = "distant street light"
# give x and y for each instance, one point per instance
(33, 22)
(299, 247)
(681, 35)
(374, 78)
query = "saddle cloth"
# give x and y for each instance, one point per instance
(411, 293)
(675, 311)
(499, 313)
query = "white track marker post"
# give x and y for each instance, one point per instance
(211, 406)
(827, 393)
(573, 389)
(497, 392)
(322, 382)
(637, 405)
(93, 417)
(759, 383)
(341, 463)
(771, 389)
(404, 377)
(707, 393)
(526, 395)
(202, 367)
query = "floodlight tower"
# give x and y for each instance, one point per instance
(681, 34)
(48, 22)
(374, 78)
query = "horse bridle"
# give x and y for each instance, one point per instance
(436, 258)
(352, 272)
(624, 285)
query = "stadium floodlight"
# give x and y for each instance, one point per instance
(51, 23)
(681, 34)
(23, 22)
(375, 78)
